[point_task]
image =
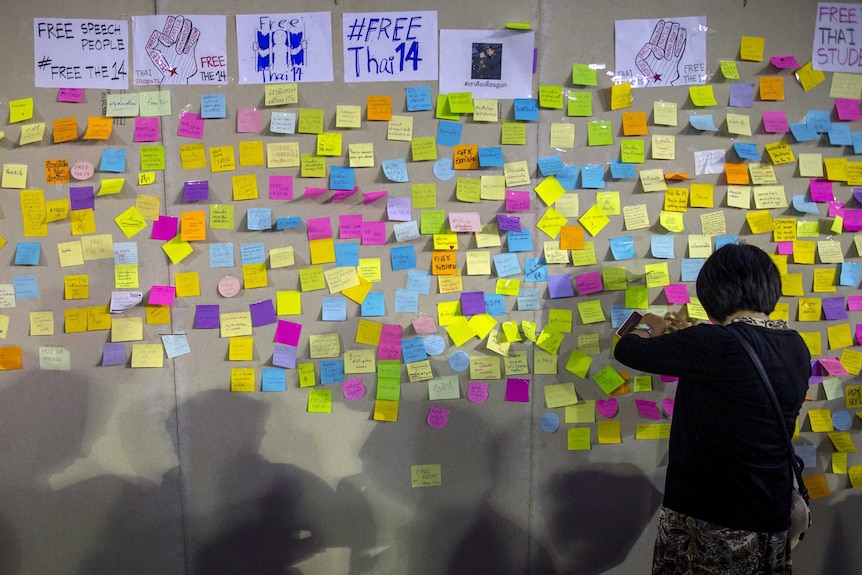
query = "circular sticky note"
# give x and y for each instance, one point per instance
(82, 171)
(434, 345)
(459, 361)
(842, 420)
(443, 169)
(228, 286)
(550, 422)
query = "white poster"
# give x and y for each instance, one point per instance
(390, 46)
(488, 63)
(81, 53)
(180, 49)
(837, 38)
(284, 48)
(661, 52)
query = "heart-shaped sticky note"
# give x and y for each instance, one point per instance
(667, 406)
(607, 407)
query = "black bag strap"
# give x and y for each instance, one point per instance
(795, 461)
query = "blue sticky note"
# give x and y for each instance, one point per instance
(342, 178)
(282, 355)
(221, 255)
(213, 106)
(272, 379)
(527, 109)
(402, 257)
(528, 299)
(623, 171)
(395, 170)
(802, 203)
(26, 287)
(567, 176)
(619, 314)
(535, 270)
(856, 140)
(520, 241)
(495, 304)
(331, 371)
(27, 253)
(593, 176)
(444, 169)
(406, 300)
(413, 349)
(690, 269)
(419, 281)
(490, 157)
(288, 223)
(803, 132)
(808, 454)
(252, 253)
(746, 151)
(721, 241)
(623, 248)
(259, 218)
(550, 165)
(347, 254)
(662, 247)
(449, 133)
(374, 305)
(702, 122)
(819, 120)
(113, 160)
(507, 264)
(125, 253)
(850, 274)
(839, 134)
(560, 286)
(741, 95)
(334, 309)
(418, 98)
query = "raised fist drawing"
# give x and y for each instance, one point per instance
(659, 58)
(173, 50)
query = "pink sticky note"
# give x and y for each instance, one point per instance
(848, 109)
(607, 407)
(667, 405)
(314, 192)
(677, 293)
(477, 392)
(162, 295)
(854, 302)
(517, 201)
(165, 228)
(852, 220)
(371, 197)
(647, 409)
(349, 226)
(517, 389)
(191, 125)
(784, 62)
(775, 121)
(465, 222)
(146, 129)
(836, 208)
(858, 333)
(73, 95)
(667, 378)
(389, 346)
(341, 195)
(833, 366)
(373, 233)
(353, 388)
(424, 324)
(389, 351)
(590, 282)
(785, 248)
(821, 190)
(288, 332)
(438, 417)
(281, 187)
(248, 120)
(319, 228)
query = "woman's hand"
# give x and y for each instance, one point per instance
(677, 321)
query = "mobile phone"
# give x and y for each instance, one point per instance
(630, 323)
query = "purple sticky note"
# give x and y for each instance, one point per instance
(82, 198)
(834, 308)
(207, 316)
(373, 233)
(113, 354)
(314, 192)
(319, 228)
(262, 313)
(281, 187)
(472, 302)
(741, 95)
(284, 356)
(775, 121)
(854, 302)
(248, 120)
(821, 190)
(517, 389)
(162, 295)
(165, 228)
(196, 190)
(349, 226)
(146, 129)
(647, 409)
(398, 209)
(371, 197)
(191, 125)
(517, 201)
(588, 283)
(677, 293)
(782, 62)
(848, 109)
(288, 332)
(560, 286)
(73, 95)
(508, 223)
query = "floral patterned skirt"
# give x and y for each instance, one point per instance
(686, 545)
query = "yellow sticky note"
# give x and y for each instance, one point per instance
(126, 329)
(665, 113)
(254, 275)
(177, 249)
(282, 155)
(147, 355)
(193, 156)
(809, 77)
(513, 133)
(729, 69)
(663, 147)
(288, 302)
(110, 186)
(362, 155)
(738, 124)
(41, 323)
(701, 195)
(486, 110)
(348, 116)
(14, 176)
(280, 94)
(241, 349)
(751, 48)
(594, 220)
(242, 379)
(131, 222)
(31, 133)
(820, 419)
(702, 95)
(591, 311)
(311, 278)
(244, 187)
(146, 178)
(235, 324)
(811, 165)
(760, 222)
(328, 144)
(319, 401)
(836, 169)
(187, 284)
(562, 135)
(560, 395)
(310, 121)
(76, 287)
(20, 110)
(621, 96)
(653, 180)
(222, 159)
(657, 275)
(609, 432)
(517, 173)
(251, 153)
(428, 475)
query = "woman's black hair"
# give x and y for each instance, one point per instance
(738, 277)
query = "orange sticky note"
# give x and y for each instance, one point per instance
(771, 88)
(57, 171)
(571, 238)
(193, 226)
(379, 108)
(737, 173)
(11, 357)
(635, 124)
(98, 128)
(65, 130)
(466, 157)
(444, 263)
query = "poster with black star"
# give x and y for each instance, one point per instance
(660, 52)
(177, 49)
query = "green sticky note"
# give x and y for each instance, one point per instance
(444, 112)
(583, 75)
(599, 133)
(637, 297)
(389, 368)
(609, 379)
(551, 97)
(389, 388)
(579, 104)
(579, 363)
(468, 189)
(519, 26)
(312, 166)
(310, 121)
(432, 222)
(642, 383)
(578, 439)
(152, 158)
(423, 148)
(514, 133)
(729, 70)
(154, 103)
(632, 151)
(424, 196)
(461, 102)
(614, 278)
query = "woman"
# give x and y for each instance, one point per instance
(726, 506)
